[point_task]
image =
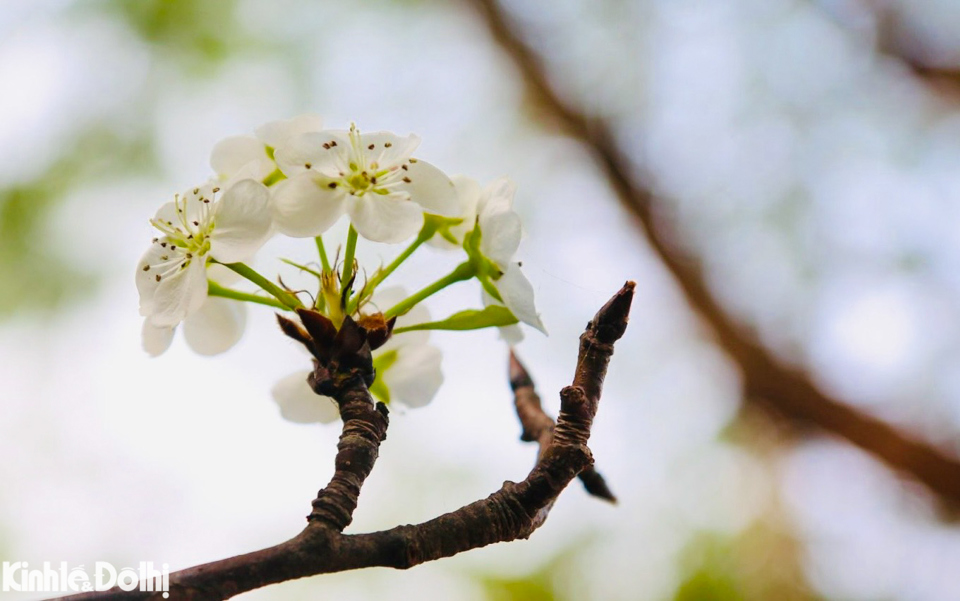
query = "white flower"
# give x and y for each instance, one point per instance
(253, 156)
(408, 371)
(298, 403)
(468, 196)
(489, 212)
(371, 177)
(213, 329)
(172, 275)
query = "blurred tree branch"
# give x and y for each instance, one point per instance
(511, 513)
(768, 383)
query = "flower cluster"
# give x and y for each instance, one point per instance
(297, 179)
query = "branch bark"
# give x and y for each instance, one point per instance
(770, 384)
(511, 513)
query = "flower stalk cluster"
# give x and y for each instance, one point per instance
(296, 179)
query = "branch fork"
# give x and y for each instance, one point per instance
(343, 369)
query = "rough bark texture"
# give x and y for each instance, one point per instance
(511, 513)
(768, 383)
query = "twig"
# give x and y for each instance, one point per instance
(538, 426)
(511, 513)
(767, 382)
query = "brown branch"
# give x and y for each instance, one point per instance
(769, 383)
(511, 513)
(538, 426)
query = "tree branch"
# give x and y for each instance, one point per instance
(767, 382)
(538, 427)
(511, 513)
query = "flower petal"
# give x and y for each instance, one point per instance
(468, 194)
(232, 154)
(222, 275)
(304, 207)
(500, 234)
(216, 326)
(146, 275)
(325, 152)
(155, 339)
(299, 404)
(383, 299)
(389, 150)
(179, 293)
(278, 133)
(497, 196)
(384, 219)
(512, 335)
(243, 222)
(431, 189)
(517, 294)
(415, 377)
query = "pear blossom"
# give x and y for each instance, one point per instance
(213, 329)
(371, 177)
(488, 217)
(254, 156)
(197, 227)
(408, 371)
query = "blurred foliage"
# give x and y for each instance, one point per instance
(760, 563)
(198, 34)
(551, 582)
(34, 274)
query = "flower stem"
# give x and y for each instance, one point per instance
(215, 289)
(463, 271)
(323, 254)
(348, 254)
(246, 271)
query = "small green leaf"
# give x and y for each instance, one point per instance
(471, 319)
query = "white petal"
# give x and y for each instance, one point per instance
(415, 376)
(468, 193)
(156, 339)
(304, 207)
(216, 326)
(167, 213)
(500, 234)
(497, 196)
(517, 294)
(431, 189)
(243, 222)
(159, 269)
(298, 403)
(232, 154)
(383, 218)
(325, 152)
(389, 150)
(277, 133)
(512, 334)
(146, 276)
(179, 294)
(222, 275)
(383, 299)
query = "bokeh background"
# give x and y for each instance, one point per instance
(798, 160)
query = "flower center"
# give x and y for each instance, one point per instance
(194, 221)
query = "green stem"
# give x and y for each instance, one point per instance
(246, 271)
(323, 254)
(348, 254)
(215, 289)
(463, 271)
(386, 271)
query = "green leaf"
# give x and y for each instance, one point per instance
(471, 319)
